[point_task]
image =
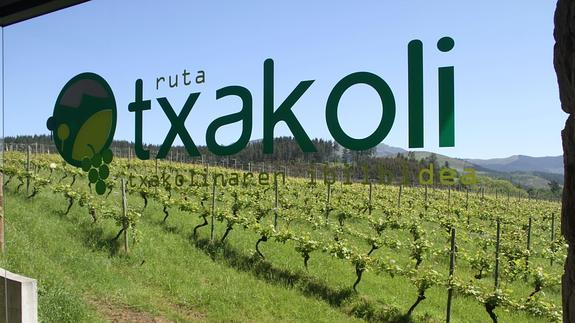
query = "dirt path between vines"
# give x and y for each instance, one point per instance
(117, 314)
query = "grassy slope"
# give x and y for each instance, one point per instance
(177, 281)
(168, 277)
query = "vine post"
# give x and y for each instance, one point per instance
(528, 248)
(213, 209)
(370, 193)
(276, 204)
(399, 195)
(552, 233)
(327, 201)
(125, 216)
(28, 169)
(450, 278)
(497, 242)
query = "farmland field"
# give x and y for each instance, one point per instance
(287, 252)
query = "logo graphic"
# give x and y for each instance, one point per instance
(83, 126)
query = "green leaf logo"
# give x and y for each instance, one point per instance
(83, 125)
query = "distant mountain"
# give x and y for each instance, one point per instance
(527, 171)
(383, 150)
(516, 163)
(521, 163)
(442, 160)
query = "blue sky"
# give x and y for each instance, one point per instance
(506, 93)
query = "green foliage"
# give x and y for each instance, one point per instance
(384, 236)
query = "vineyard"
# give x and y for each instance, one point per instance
(373, 252)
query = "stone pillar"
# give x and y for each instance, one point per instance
(19, 301)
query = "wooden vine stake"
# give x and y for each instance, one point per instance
(528, 249)
(28, 170)
(497, 241)
(125, 223)
(276, 204)
(451, 271)
(327, 203)
(213, 209)
(552, 234)
(370, 193)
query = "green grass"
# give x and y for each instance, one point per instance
(165, 275)
(83, 277)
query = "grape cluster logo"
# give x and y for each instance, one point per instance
(83, 126)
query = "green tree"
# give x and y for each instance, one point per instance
(554, 187)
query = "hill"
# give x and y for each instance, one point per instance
(383, 150)
(521, 163)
